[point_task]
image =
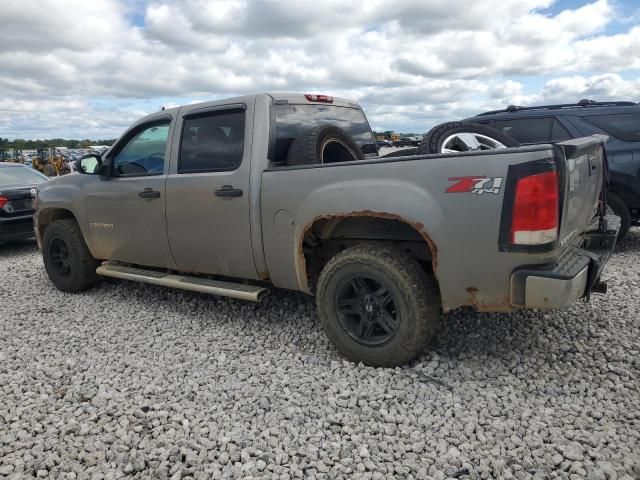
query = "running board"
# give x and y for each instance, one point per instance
(194, 284)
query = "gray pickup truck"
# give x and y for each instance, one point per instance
(286, 190)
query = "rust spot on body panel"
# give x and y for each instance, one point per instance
(482, 306)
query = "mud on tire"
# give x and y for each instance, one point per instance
(414, 303)
(67, 259)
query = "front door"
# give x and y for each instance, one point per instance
(126, 212)
(208, 197)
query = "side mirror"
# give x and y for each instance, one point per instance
(89, 164)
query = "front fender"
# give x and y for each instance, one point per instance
(60, 195)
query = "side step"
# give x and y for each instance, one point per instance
(195, 284)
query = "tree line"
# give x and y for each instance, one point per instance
(22, 144)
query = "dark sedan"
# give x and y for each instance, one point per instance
(17, 189)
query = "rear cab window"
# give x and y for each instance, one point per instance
(295, 120)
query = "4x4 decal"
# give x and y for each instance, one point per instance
(475, 184)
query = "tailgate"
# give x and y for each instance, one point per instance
(582, 181)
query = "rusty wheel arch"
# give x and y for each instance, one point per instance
(301, 260)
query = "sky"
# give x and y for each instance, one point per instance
(89, 68)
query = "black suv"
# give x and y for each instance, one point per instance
(555, 123)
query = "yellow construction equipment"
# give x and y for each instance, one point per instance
(56, 166)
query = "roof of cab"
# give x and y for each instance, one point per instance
(283, 97)
(296, 98)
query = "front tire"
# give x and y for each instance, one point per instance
(377, 305)
(67, 259)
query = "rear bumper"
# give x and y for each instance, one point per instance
(572, 277)
(18, 228)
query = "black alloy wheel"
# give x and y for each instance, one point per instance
(377, 305)
(67, 259)
(60, 257)
(367, 310)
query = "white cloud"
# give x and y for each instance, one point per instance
(412, 63)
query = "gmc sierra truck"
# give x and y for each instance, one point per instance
(234, 196)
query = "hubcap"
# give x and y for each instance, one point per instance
(367, 310)
(469, 142)
(60, 257)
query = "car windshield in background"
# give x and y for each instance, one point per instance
(293, 121)
(623, 126)
(19, 177)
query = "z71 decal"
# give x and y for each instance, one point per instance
(476, 184)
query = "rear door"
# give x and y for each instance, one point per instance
(208, 194)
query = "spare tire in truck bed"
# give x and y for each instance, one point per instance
(323, 144)
(454, 137)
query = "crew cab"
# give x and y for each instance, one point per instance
(233, 197)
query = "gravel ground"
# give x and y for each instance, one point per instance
(135, 380)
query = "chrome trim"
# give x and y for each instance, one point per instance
(194, 284)
(544, 292)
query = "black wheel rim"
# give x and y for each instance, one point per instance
(60, 257)
(367, 310)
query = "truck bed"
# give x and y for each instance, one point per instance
(461, 225)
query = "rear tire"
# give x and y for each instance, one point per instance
(67, 259)
(439, 138)
(377, 305)
(617, 205)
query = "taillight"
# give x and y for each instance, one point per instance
(318, 98)
(3, 201)
(534, 219)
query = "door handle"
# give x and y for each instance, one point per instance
(228, 191)
(149, 193)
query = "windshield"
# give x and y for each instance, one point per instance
(623, 126)
(19, 177)
(293, 121)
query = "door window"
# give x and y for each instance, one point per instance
(527, 130)
(534, 130)
(212, 142)
(143, 154)
(625, 127)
